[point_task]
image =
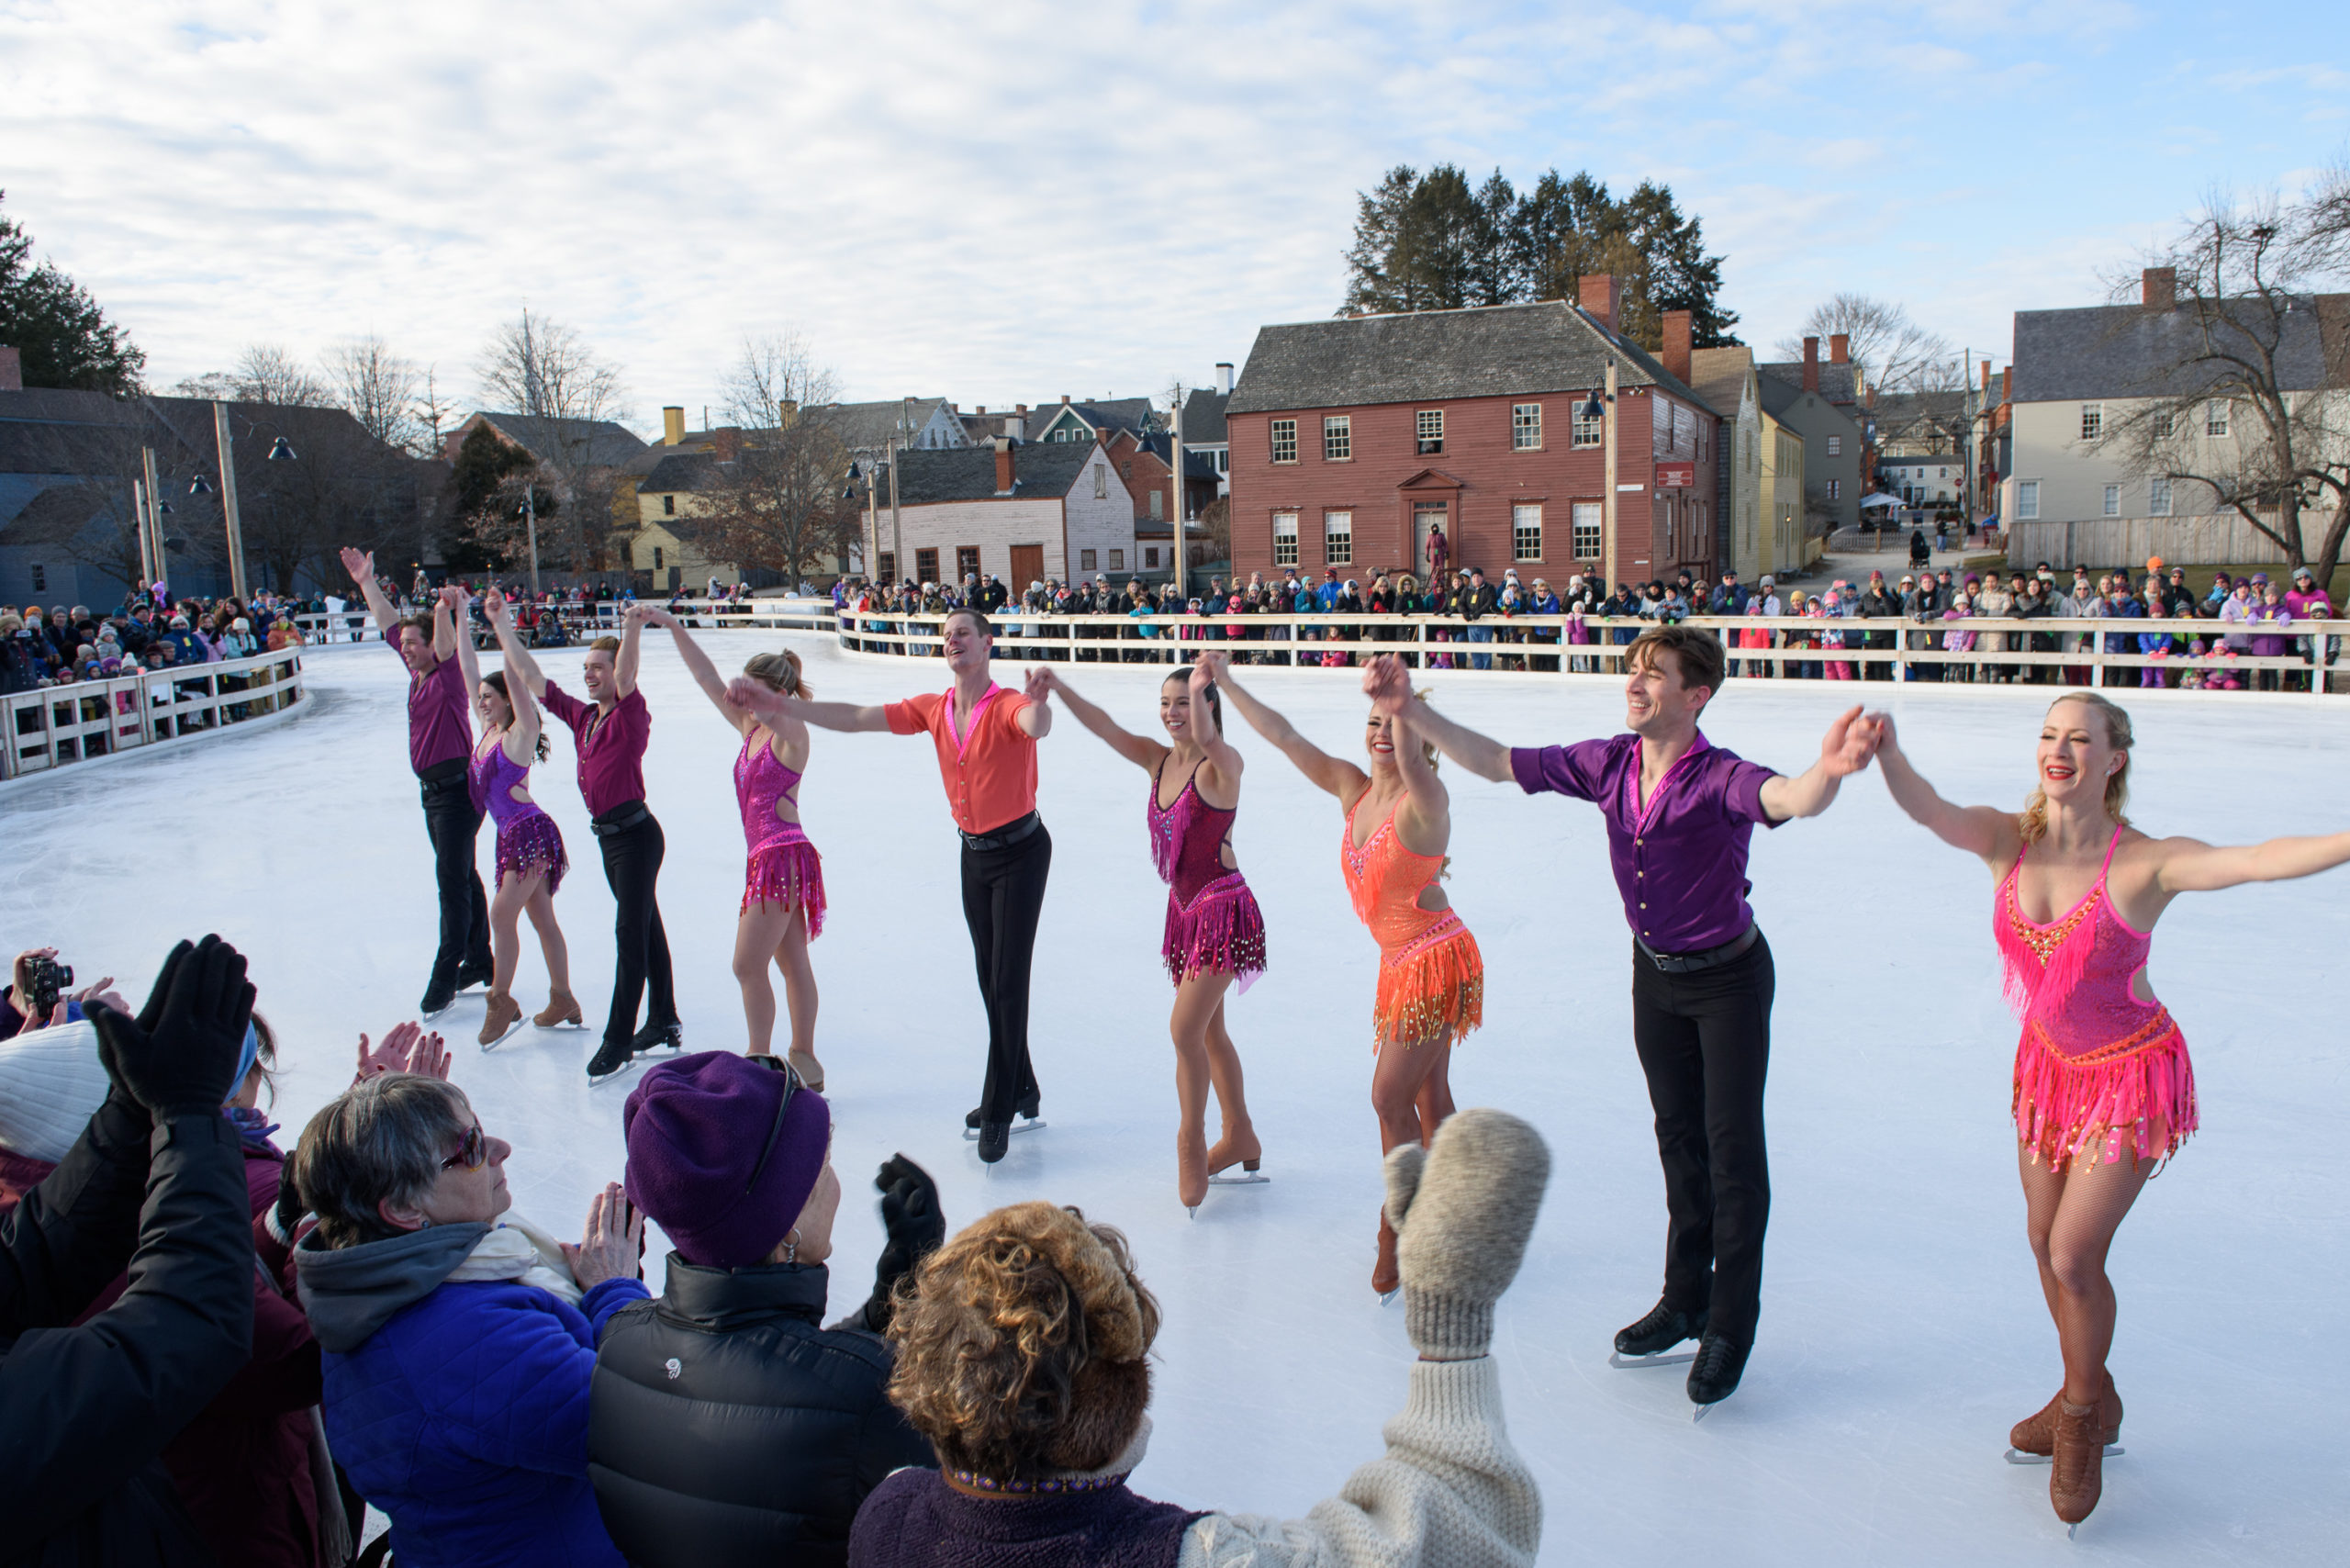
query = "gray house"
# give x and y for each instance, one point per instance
(1821, 402)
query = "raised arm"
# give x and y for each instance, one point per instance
(519, 661)
(1481, 754)
(451, 600)
(1143, 752)
(766, 703)
(1846, 748)
(1222, 754)
(698, 665)
(624, 667)
(1036, 721)
(1983, 831)
(1425, 801)
(361, 564)
(1340, 779)
(444, 623)
(522, 739)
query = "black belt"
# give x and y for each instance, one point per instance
(619, 819)
(1706, 959)
(1005, 836)
(442, 772)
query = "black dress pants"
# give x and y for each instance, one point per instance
(452, 820)
(1003, 894)
(632, 866)
(1705, 1044)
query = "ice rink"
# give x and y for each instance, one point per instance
(1902, 1329)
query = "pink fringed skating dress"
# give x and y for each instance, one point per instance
(784, 867)
(528, 841)
(1213, 922)
(2098, 1071)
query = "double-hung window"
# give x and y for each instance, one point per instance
(1526, 427)
(2027, 499)
(1338, 539)
(2215, 418)
(2158, 497)
(1284, 539)
(1337, 438)
(1284, 441)
(1587, 516)
(2092, 421)
(1525, 533)
(1835, 446)
(2113, 500)
(1429, 424)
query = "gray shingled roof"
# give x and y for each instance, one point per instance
(608, 444)
(62, 514)
(867, 427)
(2125, 350)
(1835, 380)
(1132, 414)
(1719, 377)
(680, 471)
(1426, 355)
(1203, 416)
(967, 473)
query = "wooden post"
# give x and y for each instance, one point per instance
(151, 517)
(226, 446)
(1607, 499)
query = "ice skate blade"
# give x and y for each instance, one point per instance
(971, 1134)
(1191, 1211)
(1387, 1298)
(1699, 1412)
(1662, 1358)
(1247, 1179)
(2112, 1450)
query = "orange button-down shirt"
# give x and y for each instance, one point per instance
(989, 769)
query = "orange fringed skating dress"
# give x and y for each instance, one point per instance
(1431, 976)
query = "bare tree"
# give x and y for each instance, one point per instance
(430, 411)
(377, 388)
(266, 373)
(775, 497)
(2237, 414)
(543, 369)
(1893, 353)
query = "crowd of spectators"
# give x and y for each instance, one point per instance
(62, 646)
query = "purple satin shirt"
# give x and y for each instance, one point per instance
(440, 714)
(610, 746)
(1680, 863)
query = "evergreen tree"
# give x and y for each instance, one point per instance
(64, 337)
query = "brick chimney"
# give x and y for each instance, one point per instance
(2158, 289)
(1003, 465)
(1986, 376)
(1064, 399)
(727, 442)
(1676, 344)
(1811, 364)
(673, 426)
(12, 370)
(1840, 348)
(982, 410)
(1600, 295)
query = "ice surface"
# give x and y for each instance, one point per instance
(1902, 1332)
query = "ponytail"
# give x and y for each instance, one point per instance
(779, 672)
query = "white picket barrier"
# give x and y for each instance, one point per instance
(61, 725)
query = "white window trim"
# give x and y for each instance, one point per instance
(1518, 428)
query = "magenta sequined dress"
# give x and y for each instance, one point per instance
(1213, 922)
(527, 840)
(784, 867)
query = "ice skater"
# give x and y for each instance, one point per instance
(986, 740)
(783, 877)
(1214, 932)
(530, 861)
(2104, 1092)
(1396, 825)
(440, 740)
(610, 730)
(1681, 813)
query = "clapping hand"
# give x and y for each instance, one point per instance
(406, 1049)
(613, 1243)
(178, 1058)
(914, 1225)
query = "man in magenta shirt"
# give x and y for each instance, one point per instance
(440, 743)
(1680, 813)
(610, 730)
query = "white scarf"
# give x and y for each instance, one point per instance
(517, 1249)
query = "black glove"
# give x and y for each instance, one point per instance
(912, 1221)
(179, 1057)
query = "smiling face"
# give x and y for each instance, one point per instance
(596, 674)
(968, 650)
(1656, 704)
(495, 711)
(2076, 756)
(415, 649)
(1379, 740)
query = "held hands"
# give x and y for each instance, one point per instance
(1463, 1210)
(493, 605)
(406, 1049)
(1215, 666)
(654, 615)
(1388, 685)
(1039, 684)
(756, 698)
(1850, 743)
(635, 616)
(911, 1220)
(614, 1241)
(178, 1058)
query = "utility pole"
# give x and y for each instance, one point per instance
(228, 450)
(897, 532)
(1175, 483)
(530, 521)
(1607, 516)
(150, 519)
(872, 526)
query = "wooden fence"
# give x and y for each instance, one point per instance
(58, 726)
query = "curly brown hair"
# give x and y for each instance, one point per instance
(1021, 1346)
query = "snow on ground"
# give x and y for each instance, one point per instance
(1902, 1331)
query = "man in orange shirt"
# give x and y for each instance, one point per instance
(986, 739)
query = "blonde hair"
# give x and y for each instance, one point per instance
(2033, 821)
(606, 645)
(779, 672)
(1022, 1345)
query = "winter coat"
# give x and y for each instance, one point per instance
(90, 1408)
(726, 1426)
(460, 1407)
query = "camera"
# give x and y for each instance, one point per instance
(44, 980)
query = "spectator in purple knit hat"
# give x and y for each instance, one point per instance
(726, 1425)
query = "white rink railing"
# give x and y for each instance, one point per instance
(58, 726)
(2000, 647)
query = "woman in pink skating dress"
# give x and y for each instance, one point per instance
(530, 858)
(1214, 934)
(2104, 1093)
(783, 879)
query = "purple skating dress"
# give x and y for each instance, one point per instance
(527, 840)
(784, 867)
(1213, 922)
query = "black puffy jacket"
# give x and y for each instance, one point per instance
(724, 1426)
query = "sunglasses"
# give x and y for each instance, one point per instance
(791, 1086)
(473, 1154)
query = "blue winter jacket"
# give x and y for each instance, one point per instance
(460, 1408)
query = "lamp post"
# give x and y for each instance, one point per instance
(531, 526)
(1602, 406)
(1175, 483)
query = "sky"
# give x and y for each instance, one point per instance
(1003, 202)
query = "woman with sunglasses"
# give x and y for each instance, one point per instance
(459, 1344)
(1214, 932)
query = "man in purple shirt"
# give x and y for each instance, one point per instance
(1680, 813)
(439, 744)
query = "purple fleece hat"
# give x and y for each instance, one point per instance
(696, 1127)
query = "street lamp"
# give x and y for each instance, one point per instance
(281, 452)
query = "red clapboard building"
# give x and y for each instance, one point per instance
(1352, 439)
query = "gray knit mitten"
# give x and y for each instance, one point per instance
(1462, 1211)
